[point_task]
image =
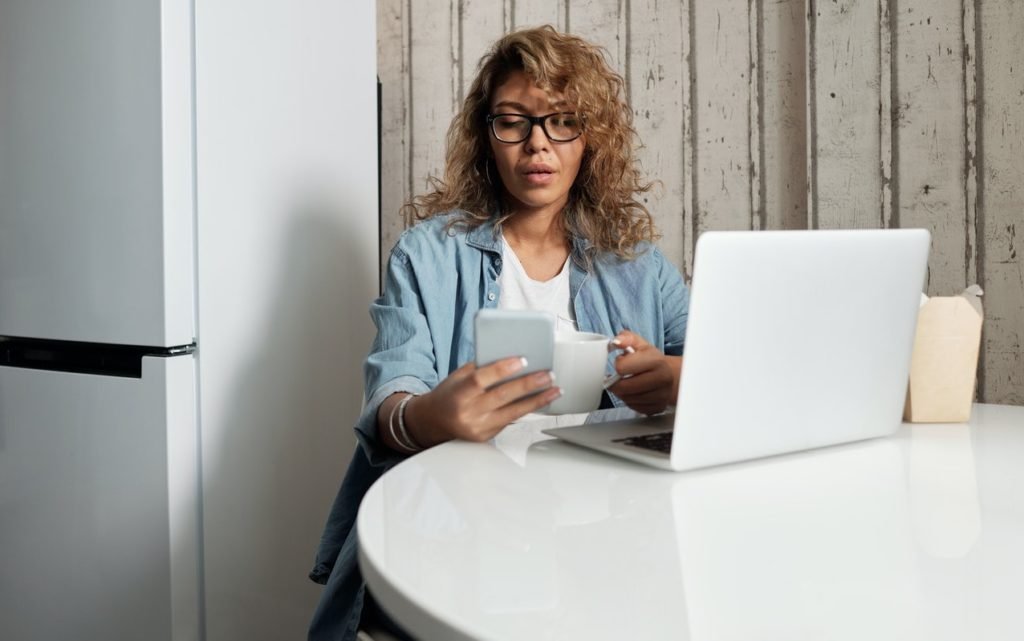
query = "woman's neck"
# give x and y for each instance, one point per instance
(538, 238)
(536, 228)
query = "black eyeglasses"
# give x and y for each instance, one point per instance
(558, 127)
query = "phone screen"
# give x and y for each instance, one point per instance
(501, 333)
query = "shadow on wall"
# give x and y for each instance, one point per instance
(286, 438)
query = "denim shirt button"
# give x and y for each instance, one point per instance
(497, 262)
(491, 296)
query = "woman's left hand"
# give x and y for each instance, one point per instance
(650, 380)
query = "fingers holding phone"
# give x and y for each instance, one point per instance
(475, 403)
(510, 378)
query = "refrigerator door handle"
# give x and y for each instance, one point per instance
(101, 359)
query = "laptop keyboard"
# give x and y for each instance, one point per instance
(660, 442)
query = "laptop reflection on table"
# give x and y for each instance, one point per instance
(816, 545)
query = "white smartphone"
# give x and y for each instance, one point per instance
(501, 333)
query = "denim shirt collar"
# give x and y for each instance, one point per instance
(486, 238)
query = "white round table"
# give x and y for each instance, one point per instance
(915, 536)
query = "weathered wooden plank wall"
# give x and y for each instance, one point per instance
(928, 89)
(947, 103)
(723, 92)
(844, 146)
(395, 126)
(531, 13)
(774, 115)
(783, 60)
(1000, 160)
(659, 90)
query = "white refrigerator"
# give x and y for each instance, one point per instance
(188, 245)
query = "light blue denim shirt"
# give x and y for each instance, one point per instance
(437, 279)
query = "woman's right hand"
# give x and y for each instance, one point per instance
(465, 406)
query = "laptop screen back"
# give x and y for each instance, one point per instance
(796, 339)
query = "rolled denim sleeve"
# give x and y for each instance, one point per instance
(402, 357)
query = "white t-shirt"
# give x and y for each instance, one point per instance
(519, 291)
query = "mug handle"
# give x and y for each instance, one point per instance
(616, 377)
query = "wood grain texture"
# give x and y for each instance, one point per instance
(658, 97)
(721, 119)
(970, 142)
(605, 24)
(886, 131)
(481, 23)
(845, 168)
(1001, 198)
(532, 13)
(929, 89)
(395, 124)
(434, 72)
(689, 140)
(783, 119)
(755, 124)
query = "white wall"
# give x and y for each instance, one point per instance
(287, 255)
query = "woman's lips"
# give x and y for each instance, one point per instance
(539, 178)
(539, 175)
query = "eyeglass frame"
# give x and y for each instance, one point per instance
(534, 121)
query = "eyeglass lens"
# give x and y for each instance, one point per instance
(559, 127)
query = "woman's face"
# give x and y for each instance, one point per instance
(537, 173)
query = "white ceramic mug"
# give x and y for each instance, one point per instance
(579, 366)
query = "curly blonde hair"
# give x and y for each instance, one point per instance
(603, 204)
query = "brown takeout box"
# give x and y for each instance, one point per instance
(945, 361)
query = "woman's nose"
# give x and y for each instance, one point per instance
(537, 140)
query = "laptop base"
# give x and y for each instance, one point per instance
(602, 437)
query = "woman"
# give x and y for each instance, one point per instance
(538, 209)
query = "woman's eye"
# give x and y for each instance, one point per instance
(565, 121)
(510, 123)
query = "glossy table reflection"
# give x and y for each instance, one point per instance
(916, 536)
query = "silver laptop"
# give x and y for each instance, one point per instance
(795, 340)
